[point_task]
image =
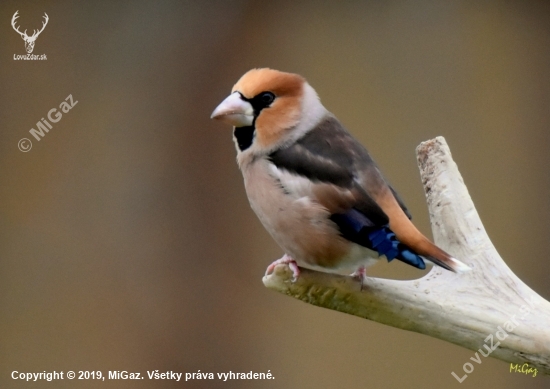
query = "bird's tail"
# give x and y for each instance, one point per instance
(434, 254)
(409, 235)
(384, 241)
(449, 263)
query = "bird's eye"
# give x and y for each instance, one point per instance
(267, 98)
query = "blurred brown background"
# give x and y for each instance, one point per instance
(126, 239)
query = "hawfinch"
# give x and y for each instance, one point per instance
(313, 186)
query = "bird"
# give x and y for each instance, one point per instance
(314, 187)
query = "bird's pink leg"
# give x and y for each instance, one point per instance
(360, 274)
(286, 260)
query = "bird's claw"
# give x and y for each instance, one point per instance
(285, 260)
(360, 275)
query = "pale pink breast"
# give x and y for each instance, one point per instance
(299, 225)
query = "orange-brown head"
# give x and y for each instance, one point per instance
(267, 107)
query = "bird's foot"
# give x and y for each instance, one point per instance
(286, 260)
(360, 275)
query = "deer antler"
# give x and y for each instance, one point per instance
(24, 34)
(43, 26)
(15, 16)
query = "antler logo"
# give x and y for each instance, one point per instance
(29, 40)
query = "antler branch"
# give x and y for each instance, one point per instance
(487, 303)
(43, 26)
(15, 16)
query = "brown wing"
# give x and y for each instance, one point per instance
(330, 154)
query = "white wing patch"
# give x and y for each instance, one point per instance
(295, 185)
(330, 197)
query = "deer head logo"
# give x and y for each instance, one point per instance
(29, 40)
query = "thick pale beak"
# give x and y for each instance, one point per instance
(235, 111)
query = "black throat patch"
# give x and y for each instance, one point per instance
(244, 136)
